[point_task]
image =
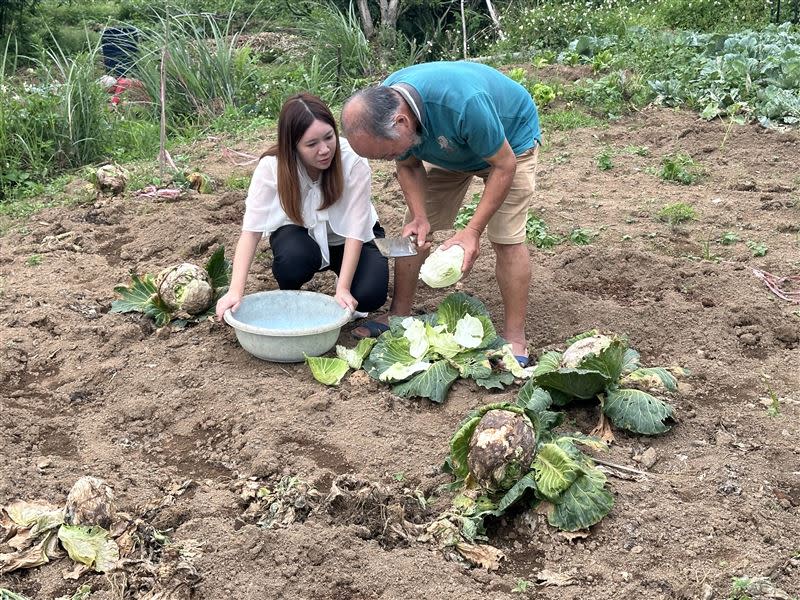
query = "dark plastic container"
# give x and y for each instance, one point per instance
(120, 47)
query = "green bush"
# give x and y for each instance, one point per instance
(56, 119)
(554, 23)
(611, 95)
(711, 15)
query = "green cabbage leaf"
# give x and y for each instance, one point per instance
(328, 371)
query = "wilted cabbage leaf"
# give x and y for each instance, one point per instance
(443, 267)
(90, 546)
(28, 556)
(355, 356)
(38, 516)
(328, 371)
(652, 378)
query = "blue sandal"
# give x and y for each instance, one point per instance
(375, 328)
(523, 361)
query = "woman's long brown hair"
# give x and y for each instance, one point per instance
(298, 113)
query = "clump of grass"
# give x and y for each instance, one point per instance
(679, 167)
(237, 182)
(677, 213)
(637, 150)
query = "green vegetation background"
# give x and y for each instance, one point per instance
(229, 67)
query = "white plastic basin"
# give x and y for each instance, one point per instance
(285, 325)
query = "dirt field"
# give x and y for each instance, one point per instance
(84, 391)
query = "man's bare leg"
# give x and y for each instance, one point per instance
(406, 274)
(513, 272)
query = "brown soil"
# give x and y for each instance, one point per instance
(86, 391)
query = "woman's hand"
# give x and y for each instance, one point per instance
(345, 299)
(229, 300)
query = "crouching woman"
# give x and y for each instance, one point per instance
(310, 193)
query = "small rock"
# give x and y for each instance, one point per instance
(748, 339)
(708, 592)
(43, 463)
(724, 438)
(649, 457)
(729, 487)
(746, 185)
(637, 550)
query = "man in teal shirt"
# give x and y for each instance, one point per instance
(445, 123)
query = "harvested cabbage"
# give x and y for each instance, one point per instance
(443, 267)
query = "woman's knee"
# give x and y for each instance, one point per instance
(371, 282)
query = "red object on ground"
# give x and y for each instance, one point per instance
(133, 90)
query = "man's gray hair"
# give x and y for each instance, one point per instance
(375, 110)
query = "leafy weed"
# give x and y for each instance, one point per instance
(757, 248)
(604, 159)
(679, 167)
(466, 212)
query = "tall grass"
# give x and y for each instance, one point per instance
(208, 70)
(82, 126)
(339, 42)
(55, 119)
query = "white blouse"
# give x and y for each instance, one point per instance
(352, 216)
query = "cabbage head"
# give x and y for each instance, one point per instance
(185, 287)
(443, 267)
(501, 449)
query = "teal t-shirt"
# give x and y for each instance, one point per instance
(467, 110)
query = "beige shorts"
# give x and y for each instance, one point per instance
(446, 191)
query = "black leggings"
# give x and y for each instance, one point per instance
(297, 257)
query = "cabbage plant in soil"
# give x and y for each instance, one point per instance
(555, 472)
(605, 367)
(179, 294)
(423, 356)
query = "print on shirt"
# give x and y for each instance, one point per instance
(444, 143)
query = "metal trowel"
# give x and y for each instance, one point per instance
(394, 247)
